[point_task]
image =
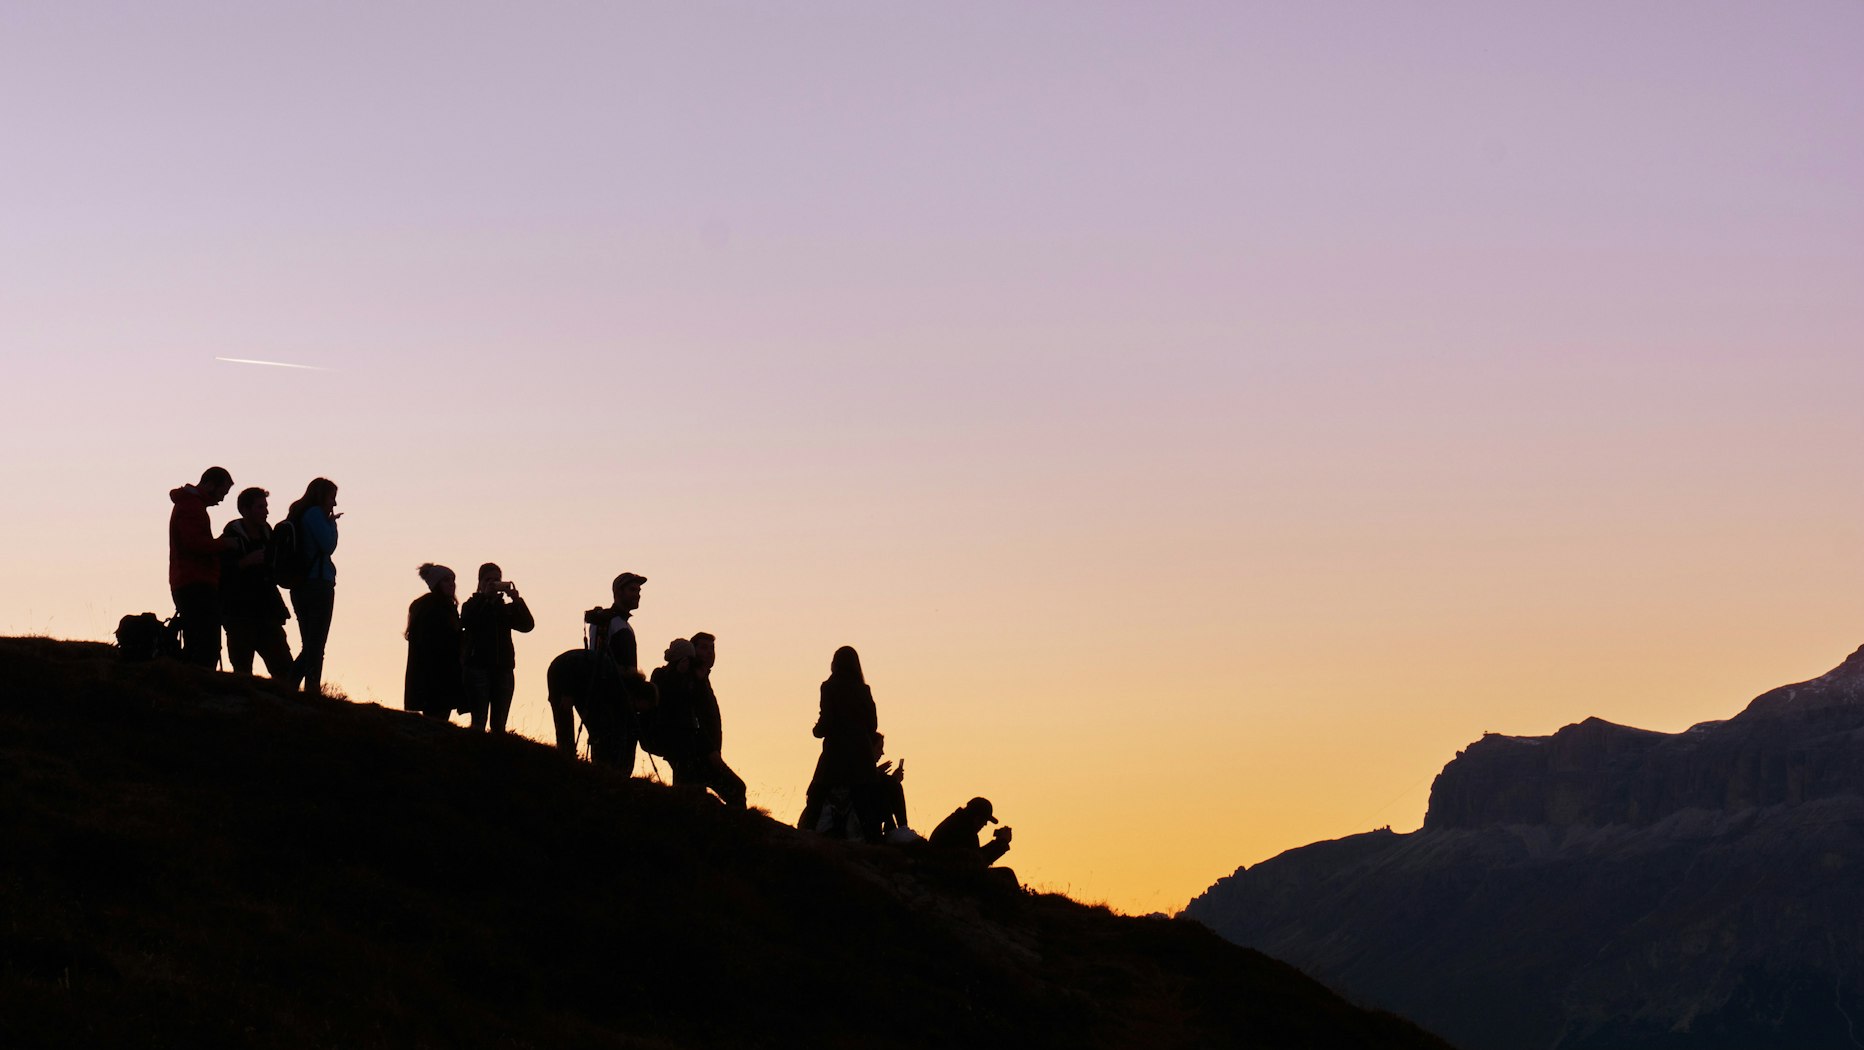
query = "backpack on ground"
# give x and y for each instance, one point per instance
(285, 560)
(145, 636)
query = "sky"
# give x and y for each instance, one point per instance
(1204, 418)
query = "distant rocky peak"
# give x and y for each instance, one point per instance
(1790, 745)
(1842, 686)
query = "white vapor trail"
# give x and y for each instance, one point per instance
(272, 364)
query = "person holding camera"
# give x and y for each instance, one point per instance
(958, 832)
(488, 618)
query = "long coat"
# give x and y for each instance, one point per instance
(847, 730)
(434, 685)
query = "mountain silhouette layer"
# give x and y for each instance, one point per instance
(1602, 887)
(190, 860)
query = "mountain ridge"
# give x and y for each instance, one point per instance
(1602, 886)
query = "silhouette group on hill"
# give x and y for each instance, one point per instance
(461, 659)
(232, 580)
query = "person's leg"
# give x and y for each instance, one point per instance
(504, 684)
(728, 785)
(275, 651)
(617, 749)
(563, 714)
(242, 641)
(691, 772)
(683, 772)
(198, 606)
(315, 604)
(478, 694)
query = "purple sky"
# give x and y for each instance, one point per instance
(1284, 392)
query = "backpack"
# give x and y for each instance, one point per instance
(656, 722)
(143, 636)
(284, 556)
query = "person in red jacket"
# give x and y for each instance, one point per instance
(194, 565)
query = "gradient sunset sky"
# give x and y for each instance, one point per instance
(1204, 418)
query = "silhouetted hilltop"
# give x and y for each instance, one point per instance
(189, 860)
(1602, 887)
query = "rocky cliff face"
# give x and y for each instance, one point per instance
(1792, 745)
(1603, 887)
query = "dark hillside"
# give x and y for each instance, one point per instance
(187, 860)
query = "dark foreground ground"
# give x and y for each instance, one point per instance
(187, 860)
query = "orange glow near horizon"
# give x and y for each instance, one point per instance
(1204, 421)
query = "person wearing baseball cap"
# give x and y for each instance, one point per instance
(958, 832)
(621, 644)
(614, 733)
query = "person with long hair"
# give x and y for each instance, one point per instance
(313, 518)
(434, 685)
(846, 728)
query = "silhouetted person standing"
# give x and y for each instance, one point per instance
(313, 519)
(488, 618)
(618, 634)
(433, 685)
(255, 611)
(194, 565)
(846, 728)
(958, 833)
(614, 733)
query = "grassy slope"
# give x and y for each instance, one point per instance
(187, 860)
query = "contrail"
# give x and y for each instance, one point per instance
(274, 364)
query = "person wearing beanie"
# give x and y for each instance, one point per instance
(668, 729)
(434, 686)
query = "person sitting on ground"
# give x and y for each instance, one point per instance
(958, 832)
(433, 685)
(488, 618)
(255, 611)
(846, 728)
(703, 766)
(881, 801)
(194, 565)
